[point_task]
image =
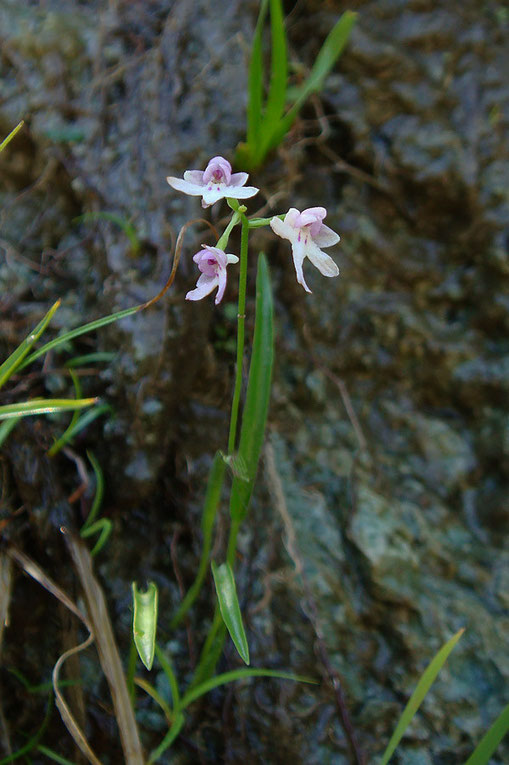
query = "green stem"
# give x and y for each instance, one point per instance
(217, 633)
(241, 318)
(223, 239)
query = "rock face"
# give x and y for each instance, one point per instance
(389, 428)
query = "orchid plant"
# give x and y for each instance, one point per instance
(307, 234)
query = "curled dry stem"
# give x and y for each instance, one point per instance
(32, 569)
(176, 258)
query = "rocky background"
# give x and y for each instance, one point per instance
(377, 529)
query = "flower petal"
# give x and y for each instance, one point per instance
(221, 284)
(321, 260)
(194, 176)
(220, 167)
(238, 179)
(298, 258)
(240, 192)
(213, 195)
(326, 237)
(231, 258)
(291, 216)
(204, 287)
(188, 188)
(282, 229)
(311, 215)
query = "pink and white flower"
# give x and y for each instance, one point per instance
(214, 183)
(307, 235)
(212, 263)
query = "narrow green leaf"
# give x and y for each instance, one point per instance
(44, 406)
(11, 135)
(210, 506)
(170, 674)
(99, 490)
(490, 741)
(229, 607)
(168, 740)
(51, 755)
(154, 694)
(426, 681)
(239, 674)
(254, 416)
(145, 622)
(78, 393)
(77, 425)
(89, 358)
(6, 426)
(255, 81)
(104, 527)
(276, 100)
(329, 53)
(12, 363)
(90, 327)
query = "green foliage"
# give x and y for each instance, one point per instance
(103, 525)
(229, 607)
(490, 741)
(423, 686)
(145, 605)
(254, 415)
(11, 135)
(43, 406)
(14, 361)
(267, 125)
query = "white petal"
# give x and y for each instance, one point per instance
(188, 188)
(321, 260)
(298, 258)
(232, 258)
(204, 287)
(326, 237)
(240, 192)
(211, 196)
(291, 216)
(282, 229)
(194, 176)
(238, 179)
(221, 285)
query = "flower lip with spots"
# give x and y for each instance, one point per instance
(212, 263)
(215, 182)
(307, 234)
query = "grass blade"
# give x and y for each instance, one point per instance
(12, 363)
(255, 82)
(254, 416)
(329, 53)
(6, 426)
(229, 607)
(239, 674)
(170, 674)
(11, 135)
(168, 740)
(44, 406)
(276, 100)
(145, 622)
(90, 327)
(490, 741)
(426, 681)
(77, 425)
